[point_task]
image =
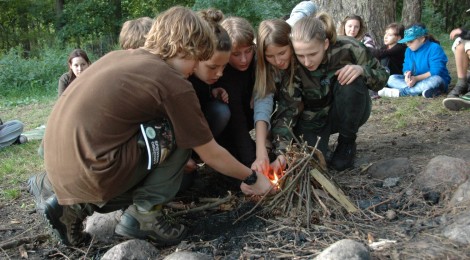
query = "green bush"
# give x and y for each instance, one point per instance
(34, 76)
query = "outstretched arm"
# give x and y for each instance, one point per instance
(222, 161)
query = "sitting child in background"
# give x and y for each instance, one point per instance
(459, 97)
(461, 50)
(354, 26)
(78, 62)
(10, 133)
(424, 70)
(134, 32)
(392, 54)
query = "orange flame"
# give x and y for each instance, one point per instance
(274, 178)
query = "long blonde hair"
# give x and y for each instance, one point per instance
(240, 31)
(309, 28)
(276, 32)
(179, 30)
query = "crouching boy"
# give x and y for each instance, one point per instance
(92, 156)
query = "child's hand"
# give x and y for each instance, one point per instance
(261, 164)
(261, 186)
(412, 81)
(220, 94)
(279, 164)
(349, 73)
(454, 33)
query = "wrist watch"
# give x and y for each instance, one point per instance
(250, 180)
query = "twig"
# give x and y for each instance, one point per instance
(24, 240)
(203, 207)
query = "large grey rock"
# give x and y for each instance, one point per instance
(186, 255)
(462, 195)
(389, 168)
(132, 250)
(459, 229)
(345, 249)
(102, 226)
(443, 173)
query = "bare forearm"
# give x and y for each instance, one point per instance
(222, 161)
(261, 135)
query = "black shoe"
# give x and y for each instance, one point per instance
(40, 187)
(66, 222)
(343, 156)
(150, 225)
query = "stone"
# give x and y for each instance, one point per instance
(132, 250)
(345, 249)
(443, 173)
(102, 226)
(461, 196)
(186, 255)
(388, 168)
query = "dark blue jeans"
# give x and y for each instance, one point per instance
(217, 115)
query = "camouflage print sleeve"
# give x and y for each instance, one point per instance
(375, 74)
(289, 107)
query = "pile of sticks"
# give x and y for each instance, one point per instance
(305, 187)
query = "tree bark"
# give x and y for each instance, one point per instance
(411, 12)
(377, 14)
(59, 9)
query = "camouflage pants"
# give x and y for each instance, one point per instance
(349, 110)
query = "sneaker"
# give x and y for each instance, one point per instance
(430, 93)
(456, 104)
(41, 188)
(374, 94)
(389, 92)
(343, 156)
(21, 139)
(150, 225)
(66, 222)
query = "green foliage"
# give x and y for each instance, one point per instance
(23, 78)
(443, 16)
(253, 11)
(432, 18)
(27, 23)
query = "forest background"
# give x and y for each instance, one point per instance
(37, 35)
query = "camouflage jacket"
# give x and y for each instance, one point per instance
(312, 96)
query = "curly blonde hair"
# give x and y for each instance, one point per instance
(134, 32)
(179, 30)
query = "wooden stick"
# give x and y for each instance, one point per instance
(203, 207)
(334, 191)
(24, 240)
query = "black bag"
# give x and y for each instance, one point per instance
(157, 139)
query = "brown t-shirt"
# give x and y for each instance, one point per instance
(90, 145)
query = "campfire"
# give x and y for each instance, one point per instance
(274, 176)
(304, 188)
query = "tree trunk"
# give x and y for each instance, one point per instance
(377, 14)
(411, 12)
(118, 18)
(59, 9)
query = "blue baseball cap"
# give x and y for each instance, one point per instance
(413, 32)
